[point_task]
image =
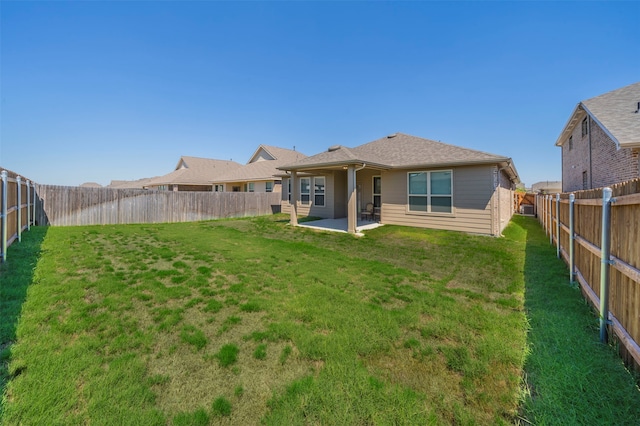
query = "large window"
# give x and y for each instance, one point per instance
(318, 191)
(431, 192)
(305, 187)
(377, 191)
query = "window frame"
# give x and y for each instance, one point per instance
(268, 186)
(317, 194)
(375, 194)
(585, 126)
(429, 196)
(570, 142)
(251, 187)
(307, 194)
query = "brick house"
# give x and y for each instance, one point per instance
(601, 141)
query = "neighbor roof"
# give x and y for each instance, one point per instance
(616, 112)
(400, 151)
(195, 171)
(257, 170)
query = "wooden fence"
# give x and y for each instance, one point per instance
(69, 206)
(17, 211)
(597, 234)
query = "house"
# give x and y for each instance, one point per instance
(130, 184)
(547, 187)
(260, 174)
(410, 181)
(193, 174)
(601, 141)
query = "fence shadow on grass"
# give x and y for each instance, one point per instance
(16, 274)
(570, 377)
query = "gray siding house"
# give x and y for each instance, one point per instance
(409, 181)
(601, 141)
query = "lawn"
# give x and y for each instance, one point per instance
(252, 321)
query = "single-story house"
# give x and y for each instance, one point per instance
(409, 181)
(601, 141)
(193, 174)
(260, 174)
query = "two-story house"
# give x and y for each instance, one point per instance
(601, 141)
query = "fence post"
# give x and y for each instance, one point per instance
(558, 225)
(550, 202)
(572, 239)
(605, 262)
(28, 204)
(19, 202)
(34, 203)
(3, 174)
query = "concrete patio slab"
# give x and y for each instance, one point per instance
(339, 225)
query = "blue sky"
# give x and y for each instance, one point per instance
(95, 91)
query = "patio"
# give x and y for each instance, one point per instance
(340, 225)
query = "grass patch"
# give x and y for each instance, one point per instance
(403, 326)
(221, 407)
(227, 355)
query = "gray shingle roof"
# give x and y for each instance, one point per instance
(262, 169)
(399, 151)
(617, 112)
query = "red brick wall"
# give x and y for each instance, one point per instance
(609, 165)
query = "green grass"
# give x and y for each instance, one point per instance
(570, 377)
(259, 322)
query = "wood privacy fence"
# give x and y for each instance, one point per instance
(17, 210)
(69, 206)
(597, 234)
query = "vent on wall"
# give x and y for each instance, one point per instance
(393, 135)
(334, 148)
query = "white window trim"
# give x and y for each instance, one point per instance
(266, 186)
(324, 193)
(251, 187)
(428, 195)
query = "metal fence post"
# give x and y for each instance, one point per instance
(558, 225)
(605, 262)
(19, 202)
(572, 239)
(3, 174)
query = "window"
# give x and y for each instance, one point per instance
(318, 191)
(250, 187)
(269, 186)
(218, 188)
(377, 188)
(289, 189)
(585, 180)
(431, 192)
(305, 186)
(571, 142)
(235, 188)
(585, 126)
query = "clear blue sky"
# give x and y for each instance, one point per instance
(94, 91)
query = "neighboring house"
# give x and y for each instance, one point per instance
(193, 174)
(129, 184)
(547, 187)
(411, 180)
(260, 174)
(90, 185)
(601, 141)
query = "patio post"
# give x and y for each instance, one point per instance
(352, 213)
(294, 199)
